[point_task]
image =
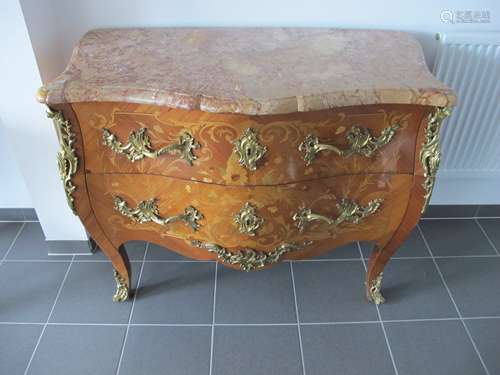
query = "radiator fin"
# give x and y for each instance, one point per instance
(471, 136)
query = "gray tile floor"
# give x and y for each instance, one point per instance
(442, 314)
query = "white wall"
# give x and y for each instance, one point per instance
(70, 19)
(13, 192)
(54, 26)
(30, 134)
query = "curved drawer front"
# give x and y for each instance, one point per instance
(261, 218)
(234, 149)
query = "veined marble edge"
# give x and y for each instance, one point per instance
(433, 96)
(270, 107)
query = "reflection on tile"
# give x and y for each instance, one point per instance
(256, 350)
(345, 349)
(78, 350)
(486, 333)
(414, 246)
(156, 252)
(413, 290)
(492, 229)
(16, 345)
(29, 290)
(175, 350)
(348, 251)
(86, 296)
(455, 237)
(175, 293)
(433, 348)
(474, 284)
(135, 251)
(264, 296)
(332, 292)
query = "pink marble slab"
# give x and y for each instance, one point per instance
(249, 70)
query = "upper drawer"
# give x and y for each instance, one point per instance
(248, 150)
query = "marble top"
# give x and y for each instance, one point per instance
(248, 70)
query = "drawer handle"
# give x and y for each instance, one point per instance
(147, 211)
(250, 259)
(139, 146)
(360, 142)
(350, 212)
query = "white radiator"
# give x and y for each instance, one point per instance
(469, 63)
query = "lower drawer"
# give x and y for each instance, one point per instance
(343, 209)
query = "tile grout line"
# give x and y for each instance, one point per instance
(380, 319)
(252, 324)
(285, 261)
(118, 367)
(12, 244)
(49, 316)
(487, 236)
(460, 218)
(454, 303)
(298, 320)
(423, 218)
(212, 334)
(19, 221)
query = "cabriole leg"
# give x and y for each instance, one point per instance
(121, 273)
(118, 257)
(380, 256)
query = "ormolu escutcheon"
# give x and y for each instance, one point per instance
(247, 220)
(249, 149)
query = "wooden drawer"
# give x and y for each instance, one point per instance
(277, 137)
(272, 216)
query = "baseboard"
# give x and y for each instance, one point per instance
(18, 214)
(70, 247)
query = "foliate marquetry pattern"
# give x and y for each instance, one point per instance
(147, 211)
(139, 147)
(250, 259)
(67, 159)
(348, 211)
(430, 154)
